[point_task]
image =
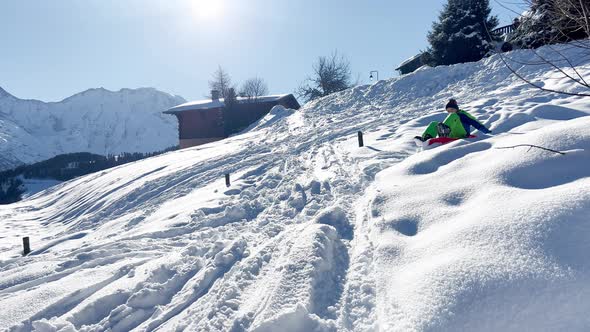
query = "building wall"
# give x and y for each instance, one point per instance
(248, 112)
(244, 114)
(201, 124)
(411, 67)
(187, 143)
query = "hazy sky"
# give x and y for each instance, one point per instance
(53, 49)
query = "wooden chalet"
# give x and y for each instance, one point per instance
(410, 65)
(205, 121)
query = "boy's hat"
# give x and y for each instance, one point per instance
(452, 104)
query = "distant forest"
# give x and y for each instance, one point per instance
(63, 168)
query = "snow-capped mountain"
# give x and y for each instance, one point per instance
(97, 120)
(317, 234)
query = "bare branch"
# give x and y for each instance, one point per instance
(331, 74)
(531, 146)
(507, 8)
(570, 64)
(560, 70)
(538, 86)
(254, 88)
(220, 81)
(521, 77)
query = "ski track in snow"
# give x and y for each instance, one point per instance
(295, 244)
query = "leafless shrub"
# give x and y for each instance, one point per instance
(253, 88)
(331, 74)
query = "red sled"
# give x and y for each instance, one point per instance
(445, 140)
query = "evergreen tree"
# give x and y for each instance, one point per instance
(12, 187)
(552, 21)
(11, 191)
(535, 29)
(461, 33)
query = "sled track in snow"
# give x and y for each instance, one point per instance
(270, 172)
(163, 245)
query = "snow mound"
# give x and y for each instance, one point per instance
(277, 113)
(478, 238)
(317, 234)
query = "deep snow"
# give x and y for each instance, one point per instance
(97, 121)
(316, 234)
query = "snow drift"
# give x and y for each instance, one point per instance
(475, 238)
(316, 234)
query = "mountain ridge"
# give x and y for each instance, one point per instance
(96, 120)
(4, 93)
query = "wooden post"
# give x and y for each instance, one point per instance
(26, 246)
(361, 143)
(227, 182)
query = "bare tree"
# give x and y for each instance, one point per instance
(559, 21)
(254, 88)
(221, 81)
(331, 74)
(574, 18)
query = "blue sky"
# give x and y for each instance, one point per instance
(53, 49)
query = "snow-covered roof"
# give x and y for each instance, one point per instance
(414, 58)
(210, 104)
(197, 105)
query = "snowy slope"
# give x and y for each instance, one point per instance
(316, 234)
(476, 238)
(97, 120)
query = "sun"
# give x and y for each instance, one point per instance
(207, 9)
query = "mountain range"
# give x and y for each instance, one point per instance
(97, 120)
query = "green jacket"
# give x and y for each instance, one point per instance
(461, 122)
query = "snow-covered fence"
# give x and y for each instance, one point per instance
(501, 31)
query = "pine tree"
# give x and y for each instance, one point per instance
(461, 33)
(552, 21)
(535, 29)
(11, 191)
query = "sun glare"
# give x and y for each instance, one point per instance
(207, 9)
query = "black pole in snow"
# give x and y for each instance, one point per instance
(361, 143)
(227, 182)
(26, 246)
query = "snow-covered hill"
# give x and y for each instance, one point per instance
(97, 120)
(316, 234)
